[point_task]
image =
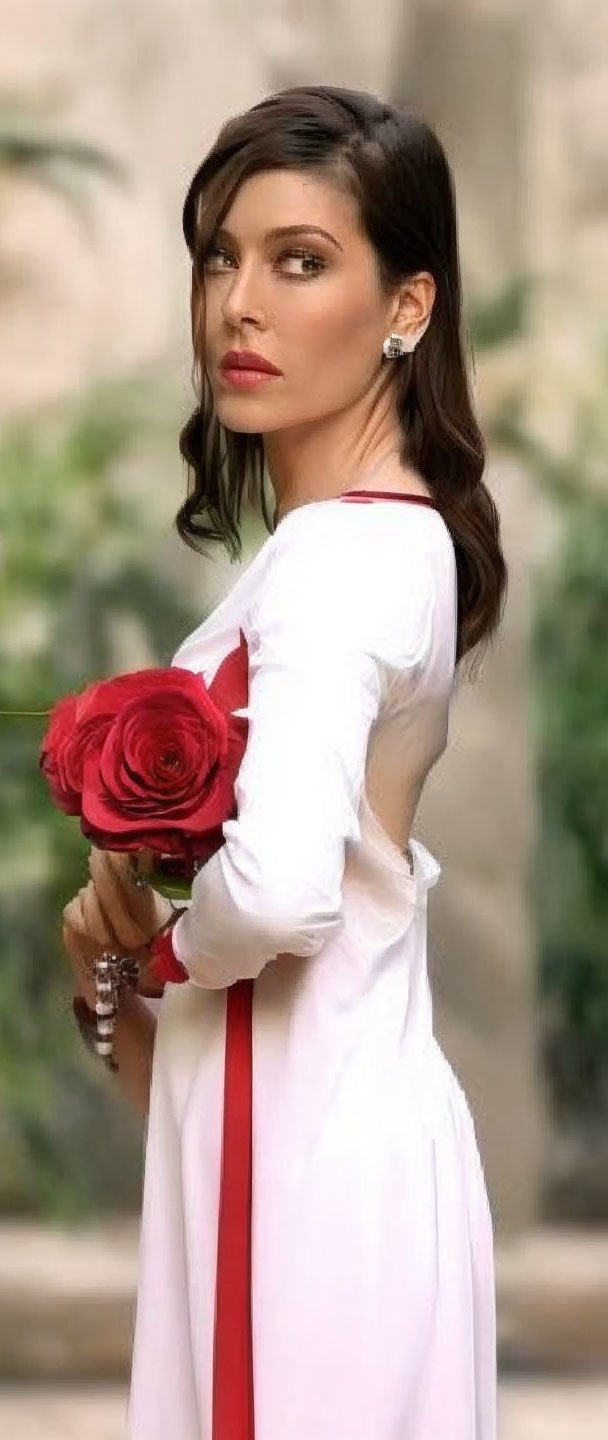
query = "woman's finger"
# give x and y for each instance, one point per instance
(116, 903)
(149, 908)
(115, 870)
(113, 877)
(95, 919)
(83, 944)
(81, 953)
(72, 915)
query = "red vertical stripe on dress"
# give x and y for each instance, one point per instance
(233, 1417)
(233, 1408)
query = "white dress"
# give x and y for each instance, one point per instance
(372, 1264)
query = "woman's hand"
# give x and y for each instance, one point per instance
(111, 913)
(82, 946)
(135, 915)
(83, 927)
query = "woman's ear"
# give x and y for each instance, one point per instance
(414, 304)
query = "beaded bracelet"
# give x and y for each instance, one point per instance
(86, 1020)
(112, 973)
(97, 1026)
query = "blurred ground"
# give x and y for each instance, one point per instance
(67, 1303)
(529, 1409)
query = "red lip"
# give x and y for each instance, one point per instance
(247, 360)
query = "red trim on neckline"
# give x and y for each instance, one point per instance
(388, 495)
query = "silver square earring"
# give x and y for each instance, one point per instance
(396, 345)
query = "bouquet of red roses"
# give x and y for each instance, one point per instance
(148, 761)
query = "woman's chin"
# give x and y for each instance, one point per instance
(244, 418)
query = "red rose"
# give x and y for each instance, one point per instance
(80, 722)
(149, 759)
(57, 760)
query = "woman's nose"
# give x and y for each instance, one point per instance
(242, 298)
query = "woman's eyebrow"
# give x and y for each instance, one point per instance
(224, 234)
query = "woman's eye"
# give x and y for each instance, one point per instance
(213, 250)
(303, 255)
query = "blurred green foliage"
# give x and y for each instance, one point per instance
(570, 648)
(569, 707)
(569, 880)
(79, 561)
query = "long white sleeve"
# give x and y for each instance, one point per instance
(315, 633)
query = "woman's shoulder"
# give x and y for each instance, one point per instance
(377, 535)
(366, 575)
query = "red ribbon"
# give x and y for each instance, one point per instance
(233, 1415)
(166, 964)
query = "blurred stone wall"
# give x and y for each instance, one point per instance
(464, 67)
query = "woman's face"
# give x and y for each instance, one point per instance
(309, 302)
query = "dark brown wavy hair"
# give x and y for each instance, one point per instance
(396, 168)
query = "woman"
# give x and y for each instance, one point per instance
(316, 1254)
